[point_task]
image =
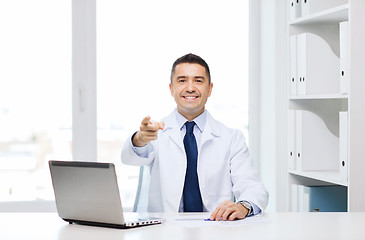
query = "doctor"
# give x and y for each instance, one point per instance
(196, 163)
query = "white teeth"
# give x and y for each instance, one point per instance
(190, 97)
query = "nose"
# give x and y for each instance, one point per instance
(190, 86)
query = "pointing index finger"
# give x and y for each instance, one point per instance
(146, 120)
(161, 125)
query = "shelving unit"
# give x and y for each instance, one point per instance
(335, 14)
(322, 96)
(318, 178)
(326, 115)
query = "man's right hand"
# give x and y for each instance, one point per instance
(147, 133)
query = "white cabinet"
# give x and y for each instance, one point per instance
(326, 97)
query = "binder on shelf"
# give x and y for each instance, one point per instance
(318, 198)
(328, 198)
(317, 66)
(299, 198)
(294, 197)
(316, 146)
(291, 139)
(303, 198)
(312, 6)
(295, 10)
(343, 135)
(344, 57)
(293, 65)
(298, 139)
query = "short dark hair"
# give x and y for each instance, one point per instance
(190, 58)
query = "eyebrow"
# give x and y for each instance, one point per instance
(200, 77)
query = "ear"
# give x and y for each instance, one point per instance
(210, 89)
(171, 90)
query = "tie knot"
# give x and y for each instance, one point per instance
(189, 126)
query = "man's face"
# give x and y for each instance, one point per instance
(190, 88)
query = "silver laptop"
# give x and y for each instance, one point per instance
(88, 193)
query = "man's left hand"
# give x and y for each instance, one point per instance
(229, 210)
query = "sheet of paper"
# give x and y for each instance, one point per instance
(259, 219)
(197, 221)
(182, 217)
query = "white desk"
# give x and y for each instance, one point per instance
(281, 226)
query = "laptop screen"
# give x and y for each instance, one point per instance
(86, 191)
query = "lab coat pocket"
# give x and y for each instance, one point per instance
(218, 182)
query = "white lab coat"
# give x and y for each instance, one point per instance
(224, 167)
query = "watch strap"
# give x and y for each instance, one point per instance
(247, 205)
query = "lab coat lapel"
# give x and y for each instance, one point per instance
(173, 130)
(211, 130)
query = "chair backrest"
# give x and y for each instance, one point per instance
(141, 200)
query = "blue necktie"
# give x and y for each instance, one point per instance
(191, 194)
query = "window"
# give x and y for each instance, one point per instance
(137, 42)
(35, 95)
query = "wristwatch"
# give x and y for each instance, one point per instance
(247, 205)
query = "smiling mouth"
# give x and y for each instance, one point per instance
(190, 97)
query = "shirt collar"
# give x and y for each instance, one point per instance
(199, 120)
